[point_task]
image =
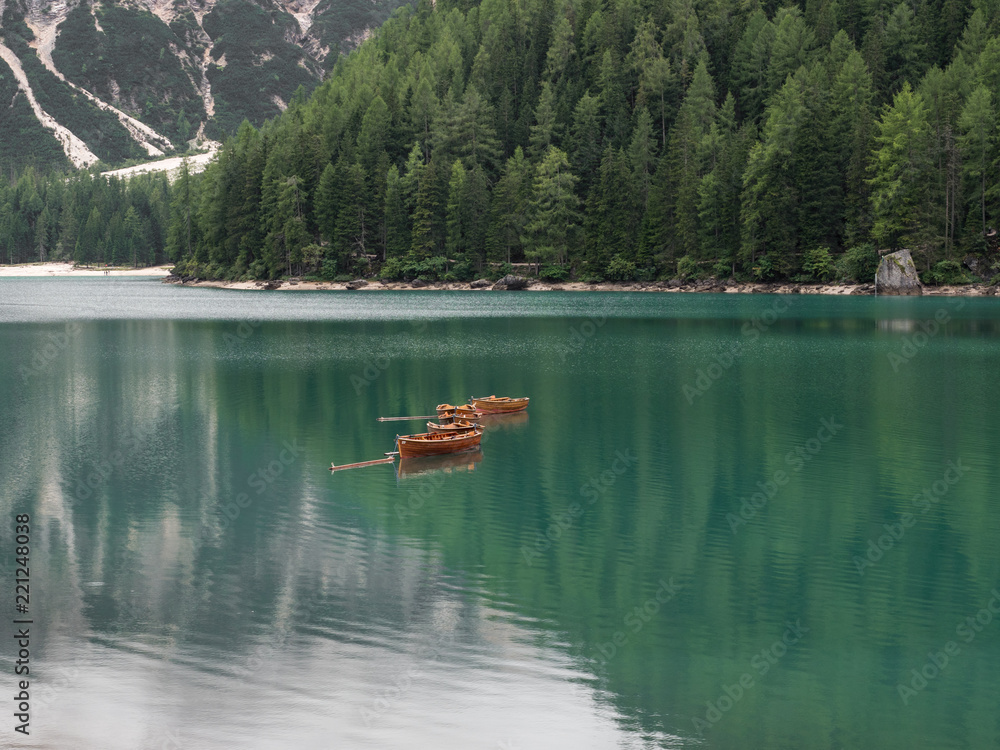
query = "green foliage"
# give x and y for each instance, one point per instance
(407, 269)
(553, 273)
(764, 270)
(622, 143)
(946, 272)
(686, 267)
(859, 264)
(86, 219)
(620, 269)
(818, 264)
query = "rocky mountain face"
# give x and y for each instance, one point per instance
(111, 80)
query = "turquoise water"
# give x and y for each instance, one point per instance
(724, 522)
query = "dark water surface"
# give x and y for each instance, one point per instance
(602, 575)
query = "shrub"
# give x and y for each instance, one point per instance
(818, 264)
(946, 272)
(505, 269)
(258, 270)
(620, 269)
(392, 269)
(723, 269)
(432, 268)
(763, 269)
(686, 267)
(463, 270)
(553, 273)
(859, 263)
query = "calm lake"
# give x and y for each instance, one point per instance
(725, 521)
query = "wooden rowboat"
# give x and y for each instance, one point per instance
(499, 405)
(459, 425)
(447, 412)
(438, 443)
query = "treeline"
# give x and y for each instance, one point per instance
(83, 218)
(621, 140)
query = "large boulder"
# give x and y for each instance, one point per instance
(511, 283)
(480, 284)
(356, 284)
(897, 275)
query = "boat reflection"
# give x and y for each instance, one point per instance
(422, 466)
(896, 325)
(515, 421)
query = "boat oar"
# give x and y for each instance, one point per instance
(359, 464)
(403, 419)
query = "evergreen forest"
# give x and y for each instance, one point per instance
(600, 140)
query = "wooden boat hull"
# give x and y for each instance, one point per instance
(438, 443)
(503, 405)
(459, 425)
(447, 413)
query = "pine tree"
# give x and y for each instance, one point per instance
(457, 211)
(544, 132)
(771, 197)
(397, 222)
(900, 171)
(694, 120)
(978, 124)
(509, 208)
(852, 125)
(553, 217)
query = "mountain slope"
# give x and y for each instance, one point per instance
(129, 80)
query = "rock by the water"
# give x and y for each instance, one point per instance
(511, 283)
(897, 275)
(480, 284)
(418, 283)
(356, 284)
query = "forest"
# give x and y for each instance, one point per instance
(84, 219)
(614, 140)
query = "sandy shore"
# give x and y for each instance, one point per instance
(717, 287)
(68, 269)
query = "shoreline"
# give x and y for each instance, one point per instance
(980, 289)
(65, 269)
